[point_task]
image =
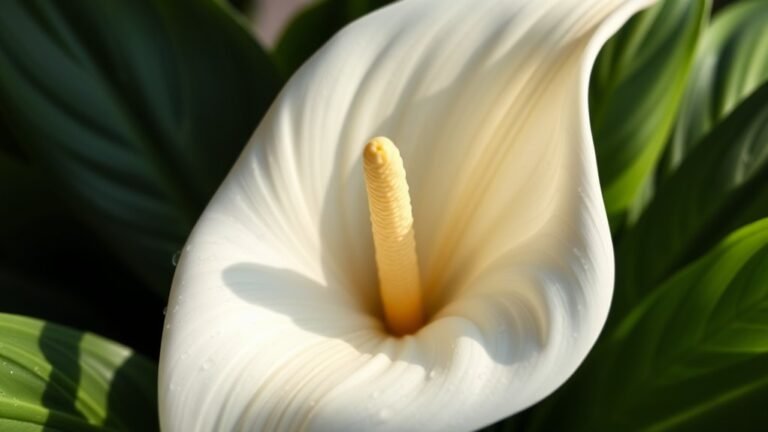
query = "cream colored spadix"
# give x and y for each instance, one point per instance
(275, 320)
(393, 237)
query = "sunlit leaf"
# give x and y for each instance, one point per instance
(721, 185)
(53, 378)
(692, 356)
(732, 61)
(637, 84)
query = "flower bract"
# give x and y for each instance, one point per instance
(275, 319)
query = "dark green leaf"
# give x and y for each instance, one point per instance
(314, 26)
(720, 4)
(9, 147)
(242, 5)
(637, 84)
(731, 63)
(135, 109)
(53, 266)
(692, 356)
(53, 378)
(721, 185)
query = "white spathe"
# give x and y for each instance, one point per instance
(273, 322)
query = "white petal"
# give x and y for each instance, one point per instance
(272, 323)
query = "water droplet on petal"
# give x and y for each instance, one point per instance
(175, 258)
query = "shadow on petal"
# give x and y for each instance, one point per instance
(505, 325)
(310, 304)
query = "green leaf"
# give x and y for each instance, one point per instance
(136, 110)
(636, 87)
(314, 26)
(692, 356)
(721, 185)
(43, 254)
(35, 229)
(731, 63)
(53, 378)
(8, 145)
(242, 5)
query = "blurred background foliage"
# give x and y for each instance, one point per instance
(118, 120)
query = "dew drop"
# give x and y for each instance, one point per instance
(11, 371)
(175, 258)
(432, 375)
(167, 326)
(165, 310)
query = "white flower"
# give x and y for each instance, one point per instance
(275, 322)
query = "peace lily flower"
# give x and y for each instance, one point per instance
(493, 262)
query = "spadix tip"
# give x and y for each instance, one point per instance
(378, 150)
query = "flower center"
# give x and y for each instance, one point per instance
(393, 238)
